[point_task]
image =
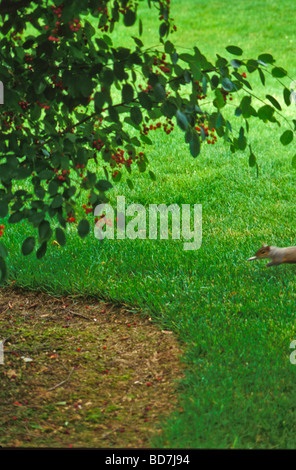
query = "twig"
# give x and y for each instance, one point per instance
(63, 382)
(109, 432)
(4, 311)
(32, 306)
(10, 306)
(79, 315)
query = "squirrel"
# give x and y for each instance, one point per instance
(277, 255)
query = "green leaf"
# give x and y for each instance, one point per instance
(266, 58)
(294, 162)
(273, 101)
(188, 134)
(29, 42)
(119, 71)
(83, 228)
(129, 17)
(168, 109)
(53, 187)
(242, 141)
(103, 185)
(187, 58)
(12, 98)
(123, 53)
(130, 184)
(238, 112)
(241, 79)
(117, 177)
(108, 77)
(145, 100)
(266, 113)
(236, 63)
(36, 218)
(287, 137)
(227, 84)
(194, 144)
(159, 92)
(127, 93)
(287, 96)
(262, 76)
(57, 201)
(69, 192)
(3, 270)
(39, 87)
(44, 230)
(138, 41)
(234, 50)
(60, 236)
(219, 100)
(163, 29)
(136, 115)
(99, 100)
(89, 29)
(41, 250)
(182, 120)
(278, 72)
(146, 139)
(215, 81)
(82, 156)
(205, 85)
(169, 47)
(152, 175)
(39, 191)
(252, 65)
(175, 57)
(3, 209)
(140, 27)
(28, 246)
(113, 114)
(142, 165)
(16, 217)
(245, 106)
(252, 159)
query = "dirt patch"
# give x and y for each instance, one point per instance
(82, 373)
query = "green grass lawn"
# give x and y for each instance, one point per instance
(236, 318)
